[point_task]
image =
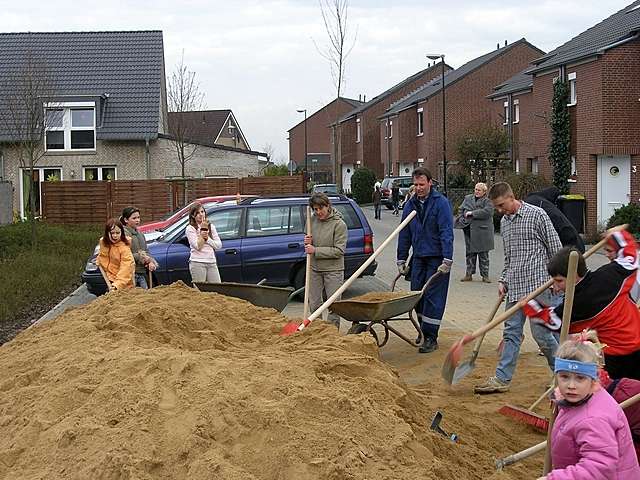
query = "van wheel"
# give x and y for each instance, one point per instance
(298, 278)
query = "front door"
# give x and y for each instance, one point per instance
(614, 184)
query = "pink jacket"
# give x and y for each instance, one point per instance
(593, 442)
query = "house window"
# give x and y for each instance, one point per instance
(420, 122)
(516, 111)
(506, 113)
(573, 94)
(40, 175)
(574, 170)
(358, 131)
(99, 173)
(70, 126)
(533, 166)
(517, 165)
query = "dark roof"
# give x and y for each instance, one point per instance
(433, 87)
(203, 126)
(351, 101)
(126, 66)
(390, 91)
(619, 27)
(519, 82)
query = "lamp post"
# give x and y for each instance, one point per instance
(444, 123)
(314, 162)
(304, 110)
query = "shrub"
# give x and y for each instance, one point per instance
(459, 180)
(362, 183)
(523, 184)
(627, 214)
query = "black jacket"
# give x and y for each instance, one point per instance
(546, 199)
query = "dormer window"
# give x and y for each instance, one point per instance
(70, 126)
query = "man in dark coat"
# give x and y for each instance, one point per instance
(476, 219)
(546, 199)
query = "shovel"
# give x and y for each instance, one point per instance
(293, 326)
(455, 352)
(106, 279)
(468, 365)
(307, 272)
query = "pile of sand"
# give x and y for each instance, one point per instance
(175, 384)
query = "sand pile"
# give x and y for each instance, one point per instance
(178, 384)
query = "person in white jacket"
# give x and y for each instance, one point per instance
(204, 241)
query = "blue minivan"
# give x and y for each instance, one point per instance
(261, 238)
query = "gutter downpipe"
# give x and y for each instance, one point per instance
(147, 158)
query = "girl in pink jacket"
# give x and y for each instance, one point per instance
(591, 439)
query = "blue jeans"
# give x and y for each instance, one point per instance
(512, 336)
(141, 281)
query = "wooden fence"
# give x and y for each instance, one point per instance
(75, 202)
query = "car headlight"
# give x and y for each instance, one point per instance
(91, 265)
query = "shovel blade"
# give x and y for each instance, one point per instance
(452, 359)
(289, 329)
(463, 370)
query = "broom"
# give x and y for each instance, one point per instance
(527, 416)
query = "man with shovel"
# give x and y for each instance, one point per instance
(530, 241)
(430, 236)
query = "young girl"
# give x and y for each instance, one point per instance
(591, 436)
(130, 219)
(204, 241)
(115, 256)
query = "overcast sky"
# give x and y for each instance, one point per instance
(259, 58)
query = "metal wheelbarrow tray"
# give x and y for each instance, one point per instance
(258, 295)
(364, 314)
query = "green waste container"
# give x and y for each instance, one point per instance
(573, 207)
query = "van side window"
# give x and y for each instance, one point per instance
(296, 222)
(349, 216)
(266, 221)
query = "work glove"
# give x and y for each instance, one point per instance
(403, 268)
(542, 315)
(445, 267)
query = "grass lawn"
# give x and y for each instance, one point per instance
(31, 276)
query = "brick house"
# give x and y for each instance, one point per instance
(106, 113)
(415, 122)
(218, 127)
(360, 143)
(319, 141)
(602, 67)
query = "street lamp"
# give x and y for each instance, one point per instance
(444, 123)
(304, 110)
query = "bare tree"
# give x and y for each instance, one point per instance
(183, 95)
(26, 113)
(335, 15)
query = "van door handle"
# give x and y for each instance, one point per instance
(294, 245)
(231, 251)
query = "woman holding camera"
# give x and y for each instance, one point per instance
(204, 241)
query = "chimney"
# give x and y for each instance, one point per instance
(505, 43)
(364, 99)
(359, 97)
(497, 46)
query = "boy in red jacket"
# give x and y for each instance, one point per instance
(602, 302)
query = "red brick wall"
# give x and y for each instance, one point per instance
(318, 133)
(370, 149)
(466, 105)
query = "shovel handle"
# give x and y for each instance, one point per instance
(357, 273)
(494, 310)
(106, 279)
(307, 269)
(523, 301)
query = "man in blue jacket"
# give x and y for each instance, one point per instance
(430, 236)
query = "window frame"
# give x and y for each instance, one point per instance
(67, 125)
(358, 131)
(516, 111)
(506, 113)
(420, 120)
(573, 92)
(100, 172)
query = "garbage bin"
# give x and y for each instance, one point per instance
(573, 207)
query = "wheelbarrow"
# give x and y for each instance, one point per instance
(259, 295)
(364, 315)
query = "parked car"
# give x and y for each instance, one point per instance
(404, 183)
(261, 238)
(328, 188)
(173, 217)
